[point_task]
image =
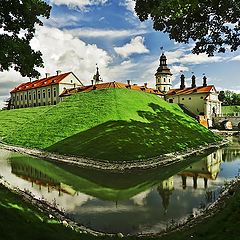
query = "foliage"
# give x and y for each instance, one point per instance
(212, 24)
(113, 124)
(229, 98)
(20, 220)
(18, 20)
(230, 110)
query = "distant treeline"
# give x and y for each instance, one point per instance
(229, 98)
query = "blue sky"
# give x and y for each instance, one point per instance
(81, 33)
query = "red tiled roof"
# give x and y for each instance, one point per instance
(200, 89)
(40, 83)
(110, 85)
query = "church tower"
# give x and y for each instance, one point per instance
(163, 76)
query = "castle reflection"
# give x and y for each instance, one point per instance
(40, 179)
(200, 173)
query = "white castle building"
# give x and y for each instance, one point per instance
(43, 92)
(200, 100)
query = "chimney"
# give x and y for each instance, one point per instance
(193, 81)
(128, 82)
(182, 86)
(47, 75)
(204, 81)
(145, 85)
(58, 72)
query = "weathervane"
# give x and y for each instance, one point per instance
(161, 48)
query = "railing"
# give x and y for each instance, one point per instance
(233, 114)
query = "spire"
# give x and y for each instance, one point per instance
(193, 81)
(163, 67)
(204, 81)
(96, 77)
(182, 86)
(163, 60)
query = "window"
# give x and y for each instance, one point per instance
(49, 93)
(182, 98)
(71, 81)
(34, 96)
(190, 98)
(17, 98)
(21, 97)
(54, 92)
(30, 96)
(201, 97)
(164, 88)
(25, 96)
(164, 79)
(44, 94)
(39, 95)
(170, 100)
(169, 80)
(54, 102)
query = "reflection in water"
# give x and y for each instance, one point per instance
(39, 178)
(139, 201)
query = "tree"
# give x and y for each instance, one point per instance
(213, 25)
(221, 96)
(18, 19)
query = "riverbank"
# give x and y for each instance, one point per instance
(47, 222)
(161, 161)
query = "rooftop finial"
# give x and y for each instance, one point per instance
(96, 77)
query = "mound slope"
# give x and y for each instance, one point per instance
(111, 124)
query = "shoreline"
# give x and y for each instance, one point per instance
(54, 212)
(141, 164)
(51, 210)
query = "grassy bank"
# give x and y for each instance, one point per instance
(230, 109)
(113, 124)
(19, 220)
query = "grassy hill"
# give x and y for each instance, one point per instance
(230, 109)
(113, 124)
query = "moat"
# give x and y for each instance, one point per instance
(146, 201)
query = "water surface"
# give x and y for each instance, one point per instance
(133, 202)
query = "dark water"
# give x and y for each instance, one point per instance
(137, 201)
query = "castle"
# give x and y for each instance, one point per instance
(199, 101)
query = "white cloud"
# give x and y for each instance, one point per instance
(182, 56)
(129, 4)
(78, 3)
(135, 46)
(104, 33)
(200, 59)
(61, 50)
(236, 58)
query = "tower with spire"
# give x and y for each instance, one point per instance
(163, 76)
(96, 78)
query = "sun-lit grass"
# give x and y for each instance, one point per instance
(22, 221)
(112, 124)
(230, 109)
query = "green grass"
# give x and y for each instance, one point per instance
(21, 221)
(112, 124)
(230, 109)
